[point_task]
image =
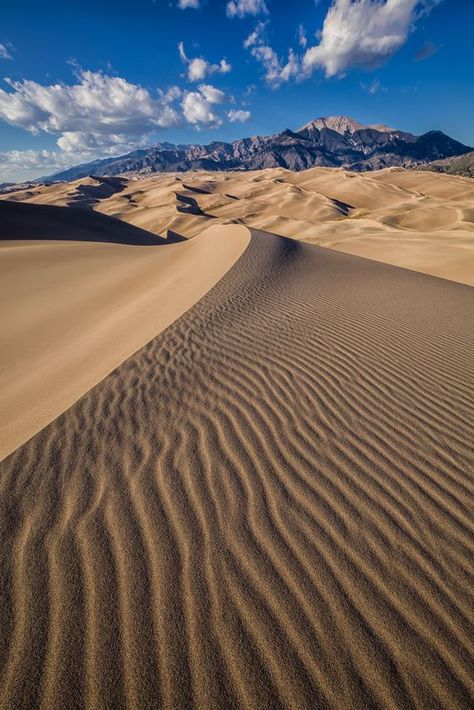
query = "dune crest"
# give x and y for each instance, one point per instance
(75, 310)
(267, 506)
(418, 220)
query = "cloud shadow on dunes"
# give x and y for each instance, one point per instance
(48, 222)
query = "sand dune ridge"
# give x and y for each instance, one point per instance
(78, 306)
(268, 505)
(417, 220)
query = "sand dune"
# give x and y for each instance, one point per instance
(419, 220)
(74, 310)
(267, 506)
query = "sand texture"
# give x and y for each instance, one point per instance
(418, 220)
(269, 505)
(73, 310)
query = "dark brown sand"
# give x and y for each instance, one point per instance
(268, 506)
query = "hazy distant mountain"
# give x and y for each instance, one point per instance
(334, 141)
(460, 165)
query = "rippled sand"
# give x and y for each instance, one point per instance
(267, 506)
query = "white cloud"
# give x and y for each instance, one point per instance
(4, 53)
(276, 70)
(184, 4)
(241, 8)
(198, 106)
(363, 33)
(239, 115)
(173, 93)
(98, 115)
(374, 87)
(19, 165)
(199, 68)
(84, 145)
(97, 103)
(211, 94)
(197, 110)
(255, 37)
(302, 39)
(224, 67)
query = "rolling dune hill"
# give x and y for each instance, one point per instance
(80, 293)
(419, 220)
(265, 504)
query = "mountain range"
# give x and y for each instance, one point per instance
(457, 165)
(335, 141)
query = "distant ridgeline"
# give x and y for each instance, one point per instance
(336, 141)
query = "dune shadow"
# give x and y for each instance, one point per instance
(26, 221)
(198, 190)
(174, 237)
(89, 195)
(189, 205)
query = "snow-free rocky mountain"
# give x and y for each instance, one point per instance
(335, 141)
(458, 165)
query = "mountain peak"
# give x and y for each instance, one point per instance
(344, 124)
(331, 141)
(340, 124)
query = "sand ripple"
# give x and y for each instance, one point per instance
(268, 506)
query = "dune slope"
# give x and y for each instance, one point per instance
(418, 220)
(84, 295)
(267, 506)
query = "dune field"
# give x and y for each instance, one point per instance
(419, 220)
(238, 469)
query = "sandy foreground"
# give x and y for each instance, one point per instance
(418, 220)
(250, 480)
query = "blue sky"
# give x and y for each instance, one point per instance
(92, 79)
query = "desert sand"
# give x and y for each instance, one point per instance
(419, 220)
(74, 310)
(269, 504)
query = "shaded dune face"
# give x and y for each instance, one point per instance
(21, 220)
(267, 506)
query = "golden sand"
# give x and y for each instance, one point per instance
(269, 505)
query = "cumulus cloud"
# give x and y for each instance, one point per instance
(276, 71)
(363, 33)
(97, 103)
(199, 68)
(84, 145)
(4, 53)
(239, 115)
(184, 4)
(211, 94)
(173, 93)
(98, 115)
(198, 106)
(241, 8)
(19, 165)
(95, 116)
